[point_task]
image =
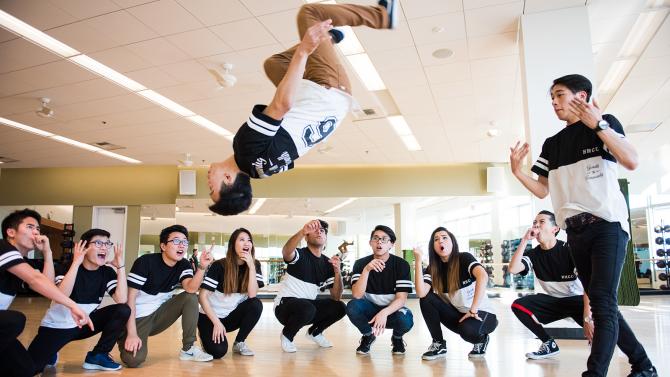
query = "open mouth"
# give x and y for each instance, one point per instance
(180, 253)
(102, 257)
(246, 249)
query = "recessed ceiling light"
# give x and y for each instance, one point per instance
(439, 29)
(443, 53)
(493, 132)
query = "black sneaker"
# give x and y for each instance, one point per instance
(398, 346)
(547, 349)
(436, 350)
(391, 7)
(337, 35)
(479, 350)
(365, 344)
(651, 372)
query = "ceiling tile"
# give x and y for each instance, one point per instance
(244, 34)
(261, 7)
(493, 45)
(82, 37)
(214, 12)
(282, 25)
(153, 78)
(18, 54)
(158, 51)
(446, 73)
(493, 19)
(427, 8)
(165, 17)
(81, 9)
(199, 43)
(121, 59)
(38, 13)
(451, 26)
(121, 27)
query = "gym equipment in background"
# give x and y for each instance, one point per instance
(663, 254)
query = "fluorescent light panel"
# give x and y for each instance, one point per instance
(366, 71)
(643, 30)
(350, 45)
(344, 203)
(23, 127)
(108, 73)
(616, 74)
(208, 124)
(399, 125)
(119, 157)
(257, 205)
(75, 143)
(38, 37)
(166, 103)
(411, 143)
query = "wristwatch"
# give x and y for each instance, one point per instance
(602, 125)
(588, 320)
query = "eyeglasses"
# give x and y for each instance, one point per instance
(99, 243)
(382, 239)
(177, 242)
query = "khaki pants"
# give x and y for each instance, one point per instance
(323, 66)
(184, 305)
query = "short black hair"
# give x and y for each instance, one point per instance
(324, 225)
(234, 198)
(389, 232)
(14, 219)
(165, 233)
(552, 218)
(576, 83)
(89, 234)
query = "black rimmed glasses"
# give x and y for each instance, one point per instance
(100, 244)
(382, 239)
(177, 242)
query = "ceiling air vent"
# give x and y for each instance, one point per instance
(107, 146)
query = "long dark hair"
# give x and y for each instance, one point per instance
(231, 282)
(439, 269)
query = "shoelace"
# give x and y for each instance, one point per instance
(478, 347)
(434, 347)
(544, 348)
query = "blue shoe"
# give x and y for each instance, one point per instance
(392, 9)
(100, 361)
(337, 35)
(52, 361)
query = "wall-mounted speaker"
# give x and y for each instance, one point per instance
(187, 182)
(495, 179)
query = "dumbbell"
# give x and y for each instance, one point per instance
(663, 276)
(660, 264)
(666, 228)
(660, 252)
(664, 286)
(659, 240)
(658, 229)
(505, 243)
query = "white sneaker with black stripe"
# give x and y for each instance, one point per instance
(436, 350)
(547, 349)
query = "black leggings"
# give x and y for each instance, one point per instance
(110, 320)
(294, 313)
(436, 311)
(14, 359)
(244, 317)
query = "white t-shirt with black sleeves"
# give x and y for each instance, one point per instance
(222, 303)
(582, 174)
(306, 276)
(155, 281)
(88, 291)
(9, 283)
(554, 270)
(264, 146)
(462, 298)
(382, 286)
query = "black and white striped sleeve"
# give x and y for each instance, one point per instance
(527, 263)
(139, 273)
(403, 282)
(262, 123)
(259, 274)
(186, 270)
(213, 277)
(541, 166)
(427, 278)
(10, 259)
(112, 282)
(356, 271)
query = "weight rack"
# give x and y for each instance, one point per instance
(663, 254)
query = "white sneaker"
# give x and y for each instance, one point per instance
(242, 349)
(320, 340)
(286, 344)
(195, 354)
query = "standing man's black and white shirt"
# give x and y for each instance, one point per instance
(582, 174)
(306, 276)
(155, 281)
(382, 286)
(554, 270)
(462, 298)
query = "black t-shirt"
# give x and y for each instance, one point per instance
(88, 291)
(582, 174)
(155, 281)
(263, 148)
(382, 286)
(306, 275)
(9, 283)
(462, 298)
(222, 303)
(554, 270)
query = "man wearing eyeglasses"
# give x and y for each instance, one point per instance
(86, 282)
(21, 233)
(154, 308)
(380, 284)
(307, 273)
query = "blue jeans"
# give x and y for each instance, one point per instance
(599, 250)
(360, 311)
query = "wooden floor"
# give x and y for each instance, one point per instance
(505, 356)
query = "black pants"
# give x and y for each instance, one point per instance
(14, 359)
(110, 320)
(244, 317)
(599, 250)
(436, 311)
(294, 313)
(533, 310)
